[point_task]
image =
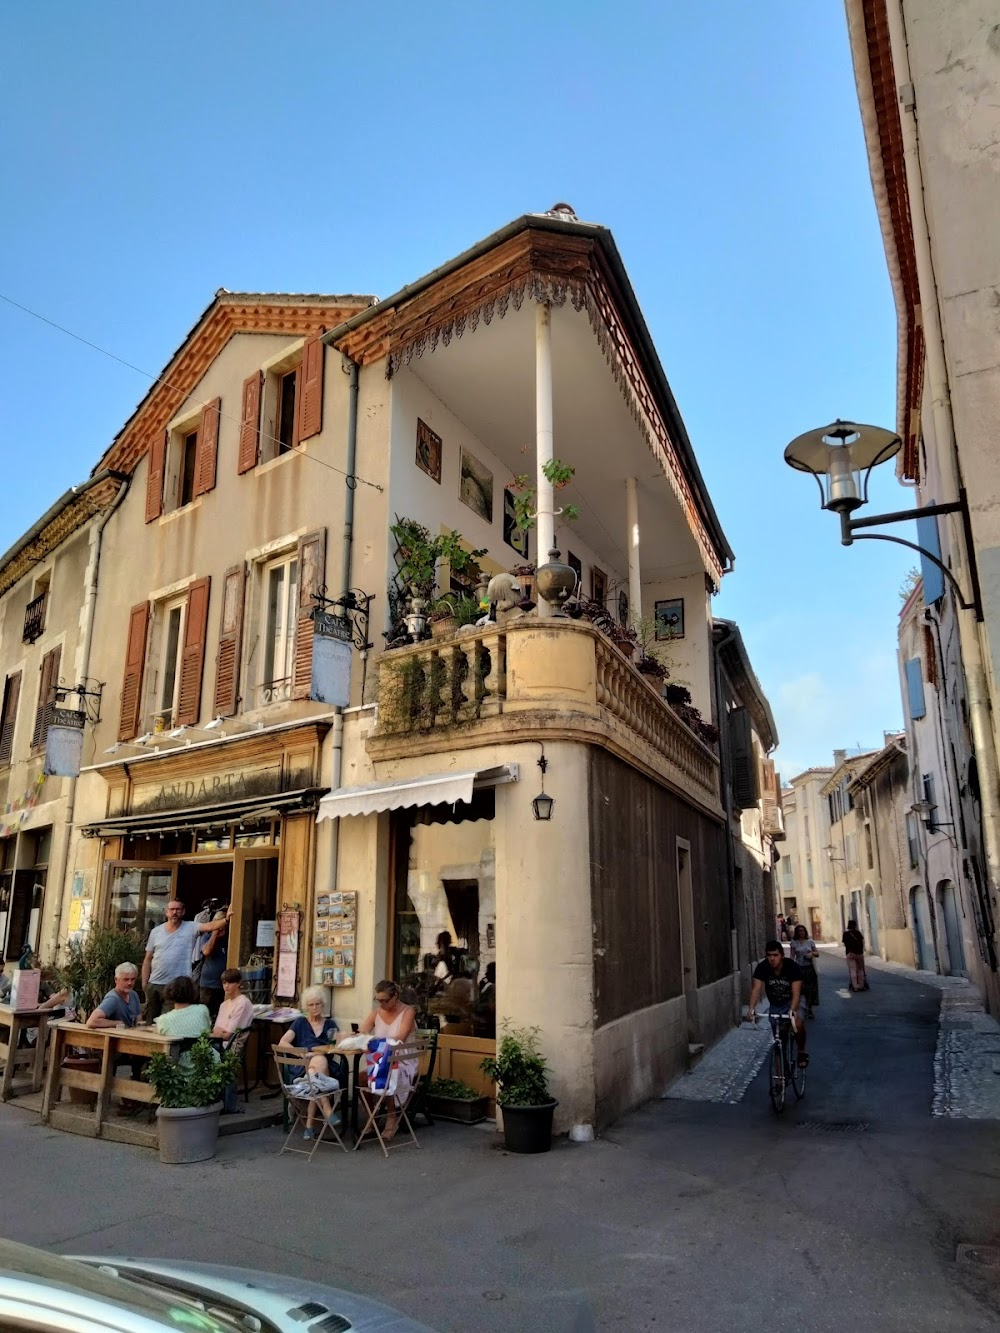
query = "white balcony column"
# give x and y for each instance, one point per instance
(544, 494)
(632, 546)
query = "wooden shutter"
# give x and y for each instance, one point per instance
(312, 577)
(155, 462)
(250, 422)
(8, 718)
(227, 666)
(208, 447)
(743, 775)
(135, 658)
(309, 399)
(48, 679)
(193, 655)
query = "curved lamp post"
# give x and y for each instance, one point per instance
(841, 457)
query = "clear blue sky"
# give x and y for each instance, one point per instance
(155, 153)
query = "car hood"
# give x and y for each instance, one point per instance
(292, 1304)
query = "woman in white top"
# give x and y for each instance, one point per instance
(394, 1021)
(803, 952)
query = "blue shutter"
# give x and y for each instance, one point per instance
(915, 688)
(929, 538)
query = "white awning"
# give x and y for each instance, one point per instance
(431, 789)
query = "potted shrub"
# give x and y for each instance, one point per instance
(447, 1099)
(519, 1072)
(190, 1093)
(87, 971)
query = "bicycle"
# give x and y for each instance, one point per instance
(785, 1068)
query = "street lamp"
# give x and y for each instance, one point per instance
(924, 810)
(841, 457)
(543, 803)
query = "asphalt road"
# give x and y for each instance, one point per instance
(845, 1212)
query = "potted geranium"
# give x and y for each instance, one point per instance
(519, 1071)
(190, 1094)
(448, 1099)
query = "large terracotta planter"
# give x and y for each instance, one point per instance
(187, 1133)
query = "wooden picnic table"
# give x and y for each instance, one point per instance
(14, 1055)
(111, 1046)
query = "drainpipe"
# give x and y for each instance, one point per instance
(347, 558)
(89, 614)
(980, 718)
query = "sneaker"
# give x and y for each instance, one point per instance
(308, 1133)
(336, 1120)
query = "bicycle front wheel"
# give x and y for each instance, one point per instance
(798, 1077)
(777, 1079)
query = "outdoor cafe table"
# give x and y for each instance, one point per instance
(111, 1046)
(15, 1056)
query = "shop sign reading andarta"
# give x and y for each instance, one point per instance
(212, 789)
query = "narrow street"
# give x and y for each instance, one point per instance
(686, 1215)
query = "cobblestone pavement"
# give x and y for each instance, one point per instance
(967, 1059)
(725, 1073)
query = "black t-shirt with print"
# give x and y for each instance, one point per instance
(778, 985)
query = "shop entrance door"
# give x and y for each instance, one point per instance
(253, 935)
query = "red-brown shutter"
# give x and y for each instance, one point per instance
(227, 666)
(135, 659)
(193, 656)
(309, 400)
(155, 461)
(8, 719)
(250, 422)
(312, 577)
(48, 679)
(208, 447)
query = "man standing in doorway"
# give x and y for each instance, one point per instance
(168, 953)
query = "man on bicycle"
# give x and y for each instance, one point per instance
(781, 981)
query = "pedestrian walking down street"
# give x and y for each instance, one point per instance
(854, 947)
(803, 951)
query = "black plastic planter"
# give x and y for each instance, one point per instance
(528, 1128)
(462, 1110)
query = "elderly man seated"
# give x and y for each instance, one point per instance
(120, 1005)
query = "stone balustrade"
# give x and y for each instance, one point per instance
(535, 679)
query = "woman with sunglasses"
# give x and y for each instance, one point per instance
(393, 1021)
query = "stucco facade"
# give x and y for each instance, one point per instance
(265, 471)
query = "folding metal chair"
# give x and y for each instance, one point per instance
(288, 1059)
(379, 1104)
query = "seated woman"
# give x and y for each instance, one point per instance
(186, 1018)
(394, 1021)
(311, 1029)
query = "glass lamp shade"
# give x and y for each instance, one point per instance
(840, 457)
(542, 806)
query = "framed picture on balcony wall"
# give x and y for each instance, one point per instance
(515, 537)
(428, 451)
(670, 619)
(576, 565)
(598, 585)
(475, 487)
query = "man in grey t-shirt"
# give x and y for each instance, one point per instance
(169, 950)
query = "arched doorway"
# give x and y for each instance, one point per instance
(954, 964)
(923, 935)
(871, 911)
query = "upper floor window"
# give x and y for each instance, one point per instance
(282, 405)
(34, 612)
(167, 629)
(279, 618)
(170, 637)
(181, 464)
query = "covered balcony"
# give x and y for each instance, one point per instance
(536, 680)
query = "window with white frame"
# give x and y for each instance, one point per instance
(166, 643)
(278, 616)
